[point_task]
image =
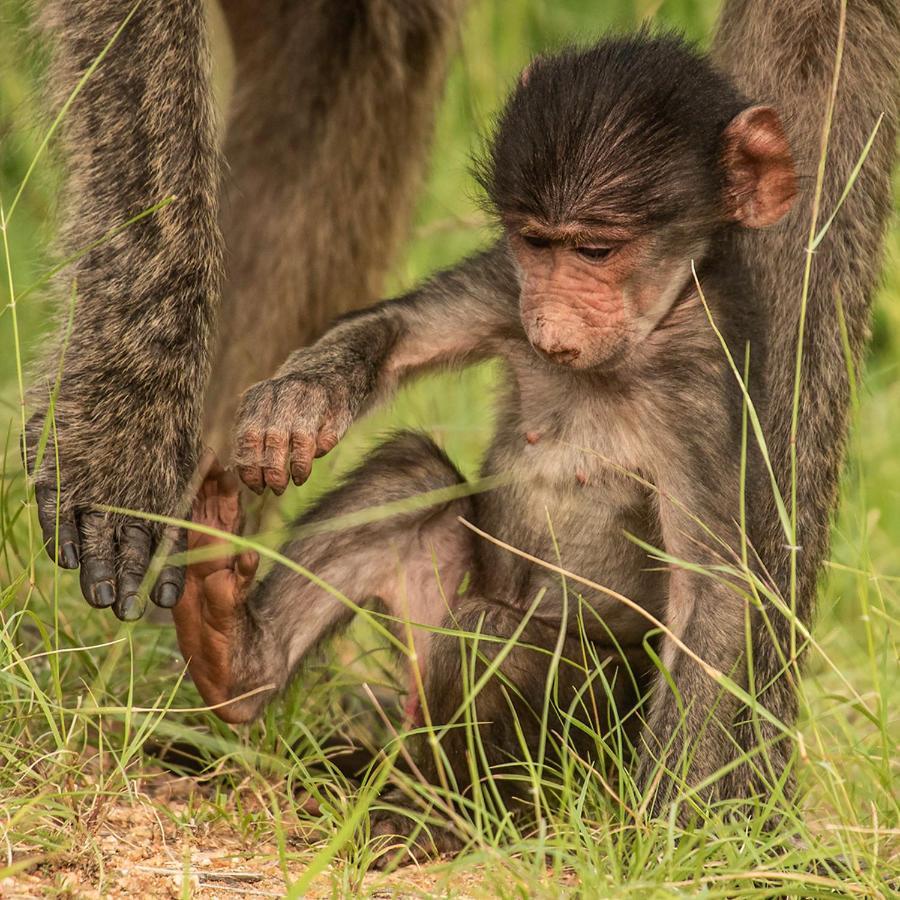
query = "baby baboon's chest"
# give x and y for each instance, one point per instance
(572, 494)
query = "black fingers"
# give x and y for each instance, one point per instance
(98, 569)
(114, 555)
(135, 549)
(170, 584)
(114, 562)
(66, 553)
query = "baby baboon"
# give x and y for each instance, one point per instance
(613, 170)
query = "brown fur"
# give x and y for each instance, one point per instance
(326, 140)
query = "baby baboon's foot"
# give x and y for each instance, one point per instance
(209, 616)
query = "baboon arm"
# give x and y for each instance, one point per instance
(460, 316)
(126, 415)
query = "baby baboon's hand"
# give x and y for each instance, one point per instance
(208, 616)
(284, 423)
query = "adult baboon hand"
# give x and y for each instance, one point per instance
(284, 423)
(114, 551)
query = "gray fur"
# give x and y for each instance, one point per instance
(136, 364)
(386, 563)
(325, 142)
(786, 57)
(128, 409)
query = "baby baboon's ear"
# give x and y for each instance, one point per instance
(761, 184)
(525, 75)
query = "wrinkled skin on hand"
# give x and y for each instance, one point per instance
(287, 421)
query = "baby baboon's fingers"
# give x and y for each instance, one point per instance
(98, 571)
(252, 476)
(303, 449)
(135, 549)
(276, 455)
(326, 440)
(249, 458)
(66, 554)
(332, 428)
(250, 432)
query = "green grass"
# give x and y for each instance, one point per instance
(80, 693)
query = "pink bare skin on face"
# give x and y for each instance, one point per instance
(589, 296)
(581, 295)
(215, 588)
(570, 312)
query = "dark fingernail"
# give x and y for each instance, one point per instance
(104, 594)
(167, 595)
(130, 609)
(68, 556)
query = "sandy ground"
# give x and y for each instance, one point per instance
(140, 850)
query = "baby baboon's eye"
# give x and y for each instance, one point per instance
(594, 254)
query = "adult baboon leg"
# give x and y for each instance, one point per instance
(784, 53)
(509, 705)
(331, 114)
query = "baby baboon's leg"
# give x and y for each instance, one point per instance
(379, 539)
(518, 689)
(508, 708)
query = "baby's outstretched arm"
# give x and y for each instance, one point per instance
(208, 616)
